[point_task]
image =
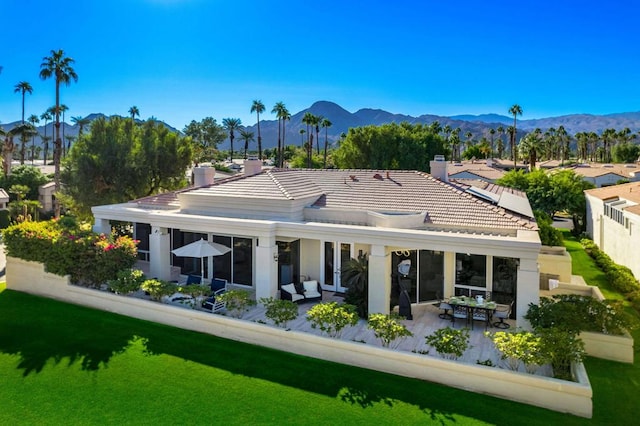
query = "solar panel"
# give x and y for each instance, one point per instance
(484, 194)
(515, 203)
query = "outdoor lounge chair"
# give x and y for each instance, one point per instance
(218, 286)
(193, 279)
(309, 291)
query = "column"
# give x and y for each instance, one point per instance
(101, 226)
(449, 274)
(159, 256)
(266, 268)
(528, 290)
(379, 280)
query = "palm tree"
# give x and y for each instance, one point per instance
(63, 109)
(608, 136)
(278, 109)
(23, 87)
(70, 139)
(563, 140)
(133, 112)
(455, 143)
(515, 110)
(492, 132)
(326, 124)
(231, 124)
(46, 116)
(530, 146)
(308, 119)
(33, 119)
(500, 131)
(317, 119)
(81, 123)
(45, 142)
(258, 107)
(512, 144)
(25, 130)
(247, 137)
(302, 132)
(60, 67)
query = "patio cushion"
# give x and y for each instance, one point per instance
(290, 288)
(311, 289)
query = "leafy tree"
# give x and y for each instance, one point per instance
(119, 161)
(258, 107)
(389, 146)
(625, 152)
(472, 152)
(206, 135)
(28, 176)
(60, 67)
(549, 236)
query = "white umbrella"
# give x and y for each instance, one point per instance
(201, 249)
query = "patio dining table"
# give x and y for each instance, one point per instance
(482, 311)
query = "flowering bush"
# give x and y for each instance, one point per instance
(331, 317)
(449, 342)
(66, 248)
(519, 347)
(388, 328)
(127, 281)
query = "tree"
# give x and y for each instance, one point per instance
(25, 130)
(206, 135)
(231, 125)
(134, 112)
(625, 152)
(302, 132)
(33, 120)
(247, 137)
(608, 137)
(60, 67)
(500, 146)
(81, 123)
(109, 166)
(492, 133)
(308, 119)
(70, 139)
(515, 110)
(529, 147)
(280, 110)
(46, 116)
(316, 122)
(23, 88)
(63, 110)
(389, 146)
(258, 107)
(326, 124)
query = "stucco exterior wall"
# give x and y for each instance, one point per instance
(555, 261)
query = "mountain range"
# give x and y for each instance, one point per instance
(342, 120)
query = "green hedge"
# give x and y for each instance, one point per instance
(68, 249)
(620, 277)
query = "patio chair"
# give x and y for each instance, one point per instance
(217, 284)
(502, 312)
(460, 312)
(444, 307)
(193, 279)
(212, 303)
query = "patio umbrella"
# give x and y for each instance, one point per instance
(201, 249)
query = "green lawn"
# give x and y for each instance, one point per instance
(66, 364)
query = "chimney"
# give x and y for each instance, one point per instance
(439, 168)
(252, 166)
(203, 175)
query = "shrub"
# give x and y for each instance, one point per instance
(127, 281)
(561, 348)
(66, 248)
(331, 317)
(158, 288)
(519, 347)
(355, 276)
(576, 313)
(620, 277)
(236, 302)
(549, 236)
(280, 311)
(388, 328)
(449, 342)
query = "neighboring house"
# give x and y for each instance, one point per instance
(4, 199)
(287, 225)
(46, 197)
(479, 169)
(613, 221)
(607, 174)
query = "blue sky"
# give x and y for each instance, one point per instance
(180, 60)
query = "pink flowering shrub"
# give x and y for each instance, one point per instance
(67, 249)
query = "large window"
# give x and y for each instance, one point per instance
(505, 278)
(471, 270)
(288, 262)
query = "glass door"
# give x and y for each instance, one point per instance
(334, 255)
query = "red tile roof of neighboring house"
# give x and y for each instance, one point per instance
(627, 191)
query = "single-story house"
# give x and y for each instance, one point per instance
(288, 225)
(4, 199)
(613, 221)
(607, 174)
(46, 197)
(478, 169)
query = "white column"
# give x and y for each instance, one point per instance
(379, 280)
(101, 226)
(266, 268)
(159, 256)
(449, 266)
(528, 289)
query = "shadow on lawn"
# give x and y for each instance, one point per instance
(40, 330)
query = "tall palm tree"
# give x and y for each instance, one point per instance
(563, 141)
(81, 123)
(500, 130)
(512, 144)
(63, 110)
(308, 119)
(258, 107)
(492, 133)
(46, 116)
(23, 87)
(247, 137)
(302, 132)
(231, 125)
(70, 139)
(133, 112)
(455, 143)
(317, 119)
(326, 124)
(515, 110)
(33, 119)
(45, 143)
(286, 115)
(60, 67)
(277, 110)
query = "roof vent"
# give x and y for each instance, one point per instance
(377, 176)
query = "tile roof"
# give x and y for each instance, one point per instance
(479, 169)
(627, 191)
(394, 191)
(597, 169)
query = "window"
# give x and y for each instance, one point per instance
(471, 270)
